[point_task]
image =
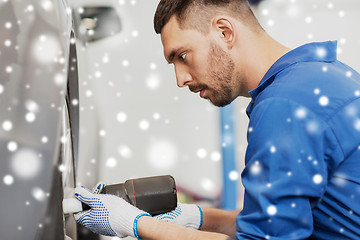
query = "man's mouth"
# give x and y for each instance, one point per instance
(198, 88)
(202, 92)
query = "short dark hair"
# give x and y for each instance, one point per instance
(186, 10)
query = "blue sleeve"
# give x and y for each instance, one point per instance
(285, 173)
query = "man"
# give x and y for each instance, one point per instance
(302, 169)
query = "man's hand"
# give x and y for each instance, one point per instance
(109, 215)
(186, 215)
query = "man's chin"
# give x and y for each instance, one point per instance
(220, 103)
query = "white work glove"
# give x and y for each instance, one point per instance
(186, 215)
(109, 215)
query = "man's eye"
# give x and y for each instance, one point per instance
(183, 56)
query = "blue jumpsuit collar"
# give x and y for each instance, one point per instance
(310, 52)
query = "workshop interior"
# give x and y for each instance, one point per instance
(86, 95)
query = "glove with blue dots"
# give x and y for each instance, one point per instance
(109, 215)
(186, 215)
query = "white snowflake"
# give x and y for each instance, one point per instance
(341, 182)
(351, 111)
(308, 20)
(121, 117)
(62, 168)
(153, 66)
(255, 168)
(153, 82)
(29, 8)
(9, 69)
(201, 153)
(357, 124)
(102, 133)
(323, 101)
(135, 33)
(162, 154)
(321, 52)
(47, 5)
(98, 74)
(273, 149)
(265, 12)
(125, 63)
(156, 116)
(12, 146)
(75, 102)
(317, 179)
(38, 194)
(233, 175)
(271, 23)
(215, 156)
(144, 125)
(207, 184)
(105, 58)
(8, 25)
(88, 93)
(80, 10)
(7, 125)
(271, 210)
(63, 139)
(124, 151)
(8, 179)
(26, 163)
(7, 43)
(32, 106)
(111, 162)
(30, 117)
(60, 79)
(300, 112)
(312, 127)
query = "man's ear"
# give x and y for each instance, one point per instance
(225, 30)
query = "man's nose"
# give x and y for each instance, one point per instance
(183, 78)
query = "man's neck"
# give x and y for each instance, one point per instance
(261, 52)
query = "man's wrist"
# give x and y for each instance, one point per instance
(135, 225)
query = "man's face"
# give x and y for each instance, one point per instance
(200, 63)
